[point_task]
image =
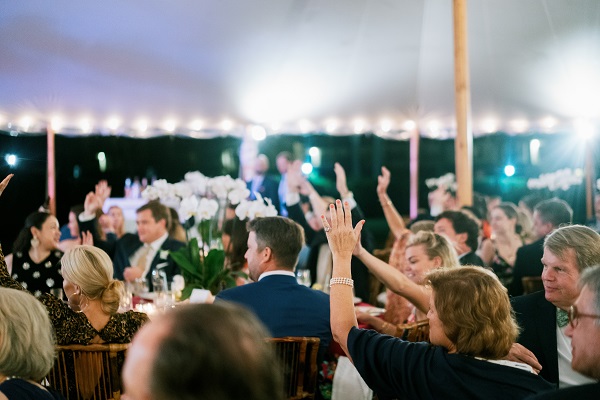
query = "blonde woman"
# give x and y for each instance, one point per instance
(424, 252)
(26, 347)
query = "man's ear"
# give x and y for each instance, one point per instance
(267, 254)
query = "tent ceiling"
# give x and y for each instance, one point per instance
(295, 65)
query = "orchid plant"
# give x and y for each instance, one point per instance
(562, 179)
(201, 201)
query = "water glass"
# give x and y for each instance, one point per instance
(303, 277)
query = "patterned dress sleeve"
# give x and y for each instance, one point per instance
(5, 279)
(122, 327)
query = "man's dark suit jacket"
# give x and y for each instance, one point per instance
(314, 240)
(537, 318)
(471, 259)
(527, 263)
(130, 243)
(269, 188)
(583, 392)
(285, 307)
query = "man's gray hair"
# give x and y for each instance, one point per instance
(584, 241)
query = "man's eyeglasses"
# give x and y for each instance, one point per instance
(574, 316)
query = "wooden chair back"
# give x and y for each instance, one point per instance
(532, 284)
(298, 358)
(88, 372)
(416, 331)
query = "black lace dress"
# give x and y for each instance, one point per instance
(73, 327)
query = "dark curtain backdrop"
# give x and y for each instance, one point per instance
(361, 155)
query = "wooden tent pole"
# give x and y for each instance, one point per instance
(589, 182)
(51, 171)
(463, 145)
(415, 140)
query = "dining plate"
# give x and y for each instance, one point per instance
(357, 300)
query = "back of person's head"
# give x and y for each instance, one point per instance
(555, 211)
(238, 242)
(462, 223)
(583, 241)
(283, 236)
(34, 220)
(159, 211)
(422, 225)
(435, 246)
(475, 311)
(91, 269)
(215, 352)
(530, 201)
(590, 278)
(27, 345)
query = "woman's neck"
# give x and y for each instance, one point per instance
(38, 254)
(94, 313)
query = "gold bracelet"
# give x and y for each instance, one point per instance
(384, 327)
(341, 281)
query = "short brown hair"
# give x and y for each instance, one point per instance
(282, 235)
(475, 311)
(159, 211)
(584, 241)
(215, 352)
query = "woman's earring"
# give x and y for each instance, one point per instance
(35, 242)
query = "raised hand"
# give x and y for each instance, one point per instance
(383, 181)
(340, 180)
(4, 183)
(294, 176)
(342, 237)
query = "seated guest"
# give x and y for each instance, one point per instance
(285, 307)
(547, 216)
(93, 300)
(542, 316)
(471, 330)
(500, 251)
(137, 255)
(463, 232)
(34, 261)
(584, 331)
(425, 252)
(118, 220)
(26, 347)
(72, 237)
(203, 351)
(235, 239)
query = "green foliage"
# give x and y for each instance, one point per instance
(202, 271)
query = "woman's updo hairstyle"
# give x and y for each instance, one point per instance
(91, 269)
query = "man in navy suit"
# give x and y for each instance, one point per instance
(547, 216)
(584, 332)
(137, 255)
(285, 307)
(542, 316)
(262, 183)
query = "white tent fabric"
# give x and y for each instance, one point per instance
(339, 66)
